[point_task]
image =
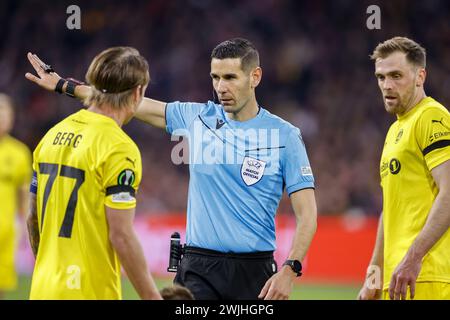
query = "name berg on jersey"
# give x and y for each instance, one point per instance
(67, 139)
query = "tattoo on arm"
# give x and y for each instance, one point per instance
(33, 226)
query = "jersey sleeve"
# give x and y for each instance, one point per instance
(179, 115)
(297, 173)
(433, 136)
(122, 175)
(34, 167)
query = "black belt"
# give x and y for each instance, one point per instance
(241, 255)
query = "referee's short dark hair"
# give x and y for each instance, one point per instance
(238, 48)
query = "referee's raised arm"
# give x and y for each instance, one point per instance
(149, 110)
(49, 80)
(152, 112)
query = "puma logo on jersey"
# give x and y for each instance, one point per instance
(132, 161)
(441, 122)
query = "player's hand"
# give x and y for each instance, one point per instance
(367, 293)
(279, 286)
(372, 287)
(404, 275)
(45, 80)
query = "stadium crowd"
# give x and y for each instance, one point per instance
(317, 75)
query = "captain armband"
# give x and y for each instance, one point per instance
(121, 194)
(34, 184)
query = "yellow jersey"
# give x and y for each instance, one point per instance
(84, 163)
(15, 172)
(415, 144)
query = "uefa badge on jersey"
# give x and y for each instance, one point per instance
(252, 170)
(126, 178)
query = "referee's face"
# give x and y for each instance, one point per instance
(233, 86)
(399, 81)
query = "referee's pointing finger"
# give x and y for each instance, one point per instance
(32, 77)
(34, 63)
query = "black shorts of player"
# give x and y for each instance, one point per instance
(213, 275)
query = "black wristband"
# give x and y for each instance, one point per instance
(60, 85)
(70, 89)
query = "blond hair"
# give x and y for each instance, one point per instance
(415, 53)
(113, 74)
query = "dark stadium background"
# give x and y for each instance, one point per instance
(317, 75)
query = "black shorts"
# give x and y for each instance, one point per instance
(212, 275)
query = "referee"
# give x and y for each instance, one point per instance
(242, 158)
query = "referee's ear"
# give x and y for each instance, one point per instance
(256, 77)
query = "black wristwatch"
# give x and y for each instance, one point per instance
(295, 265)
(70, 89)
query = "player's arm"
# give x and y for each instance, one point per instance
(279, 286)
(124, 240)
(150, 111)
(376, 263)
(438, 222)
(33, 225)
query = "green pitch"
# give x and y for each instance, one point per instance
(301, 292)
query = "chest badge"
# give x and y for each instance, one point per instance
(252, 170)
(399, 136)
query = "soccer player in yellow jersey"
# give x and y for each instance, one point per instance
(88, 171)
(15, 175)
(413, 240)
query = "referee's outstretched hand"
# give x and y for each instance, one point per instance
(279, 286)
(46, 78)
